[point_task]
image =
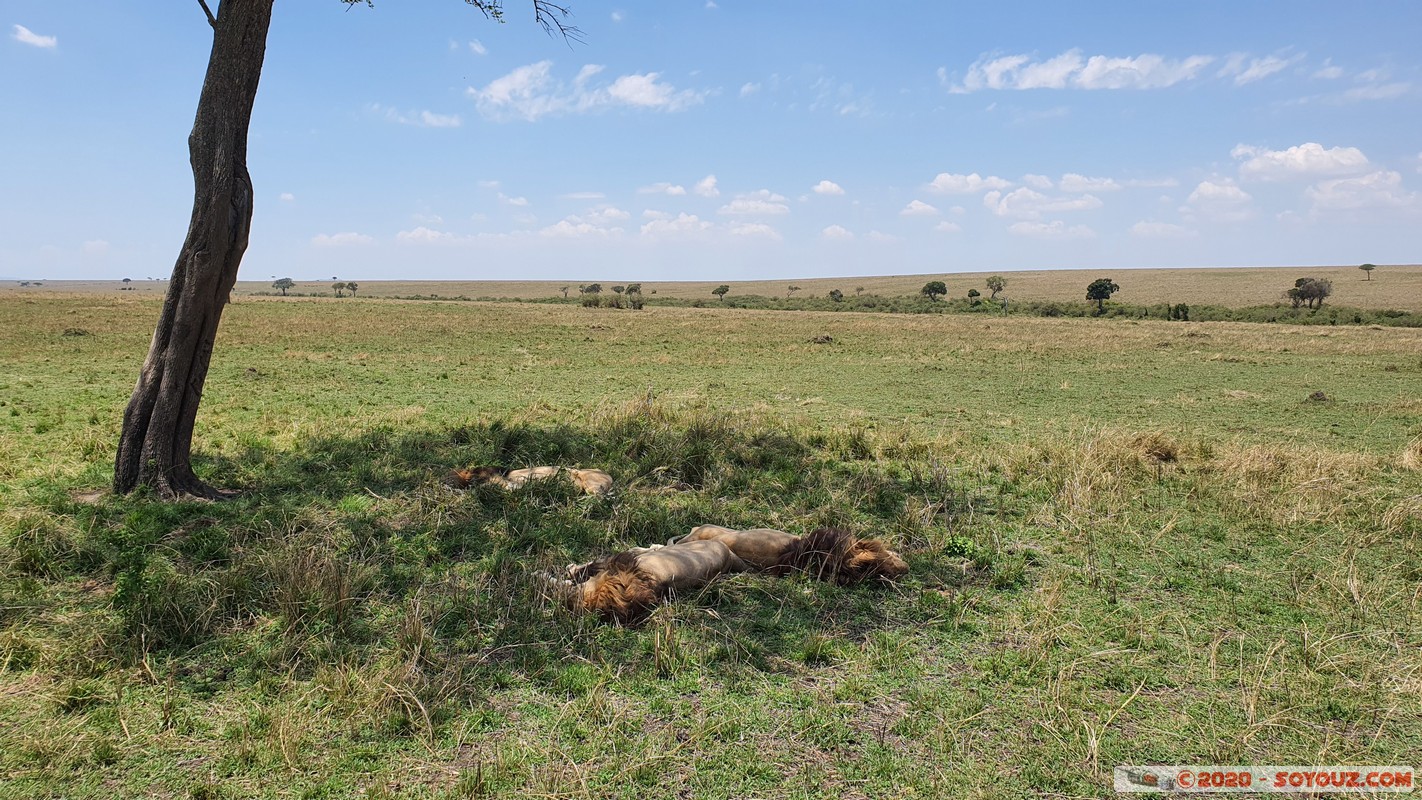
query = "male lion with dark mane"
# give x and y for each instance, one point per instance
(828, 554)
(625, 587)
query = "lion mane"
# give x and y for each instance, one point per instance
(835, 554)
(619, 590)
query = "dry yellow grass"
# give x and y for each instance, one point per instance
(1411, 457)
(1398, 286)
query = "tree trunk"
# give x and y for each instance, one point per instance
(156, 439)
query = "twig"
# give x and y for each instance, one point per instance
(211, 20)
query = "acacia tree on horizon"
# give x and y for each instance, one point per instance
(155, 441)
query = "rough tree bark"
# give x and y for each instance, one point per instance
(156, 438)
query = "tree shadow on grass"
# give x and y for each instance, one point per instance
(350, 549)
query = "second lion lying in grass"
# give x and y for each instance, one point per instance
(589, 481)
(828, 554)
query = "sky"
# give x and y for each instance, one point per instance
(726, 139)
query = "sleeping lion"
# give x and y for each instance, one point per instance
(624, 588)
(590, 481)
(828, 554)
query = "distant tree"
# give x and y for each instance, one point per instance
(836, 295)
(340, 288)
(128, 280)
(619, 289)
(283, 284)
(973, 295)
(1180, 312)
(720, 292)
(1101, 290)
(335, 277)
(791, 289)
(564, 290)
(1313, 291)
(1294, 296)
(591, 288)
(858, 290)
(351, 287)
(1368, 270)
(634, 288)
(996, 283)
(933, 290)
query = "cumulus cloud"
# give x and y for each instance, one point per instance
(423, 235)
(663, 188)
(949, 183)
(755, 230)
(575, 228)
(531, 92)
(1026, 203)
(1037, 181)
(748, 89)
(1159, 230)
(1381, 189)
(682, 225)
(287, 197)
(422, 119)
(838, 232)
(1077, 184)
(582, 196)
(918, 208)
(520, 202)
(706, 187)
(1305, 160)
(1071, 70)
(26, 36)
(1055, 229)
(1219, 200)
(827, 188)
(347, 239)
(948, 227)
(763, 202)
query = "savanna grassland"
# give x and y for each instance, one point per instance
(1390, 287)
(1131, 542)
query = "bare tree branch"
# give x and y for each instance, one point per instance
(551, 15)
(211, 20)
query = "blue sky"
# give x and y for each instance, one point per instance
(728, 139)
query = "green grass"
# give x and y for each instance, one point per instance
(1131, 542)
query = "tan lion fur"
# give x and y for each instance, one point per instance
(589, 481)
(835, 554)
(625, 587)
(760, 548)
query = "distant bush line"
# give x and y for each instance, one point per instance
(919, 304)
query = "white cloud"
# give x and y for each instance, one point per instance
(422, 218)
(949, 183)
(1221, 201)
(604, 215)
(1051, 230)
(1382, 189)
(878, 236)
(1037, 181)
(1304, 160)
(1159, 230)
(582, 196)
(948, 227)
(748, 89)
(487, 184)
(706, 187)
(1248, 70)
(663, 188)
(573, 228)
(827, 188)
(478, 48)
(1076, 184)
(287, 197)
(681, 226)
(531, 92)
(1385, 91)
(755, 230)
(1328, 71)
(344, 239)
(520, 202)
(1025, 203)
(422, 119)
(617, 16)
(837, 232)
(1071, 71)
(423, 235)
(27, 36)
(918, 208)
(763, 202)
